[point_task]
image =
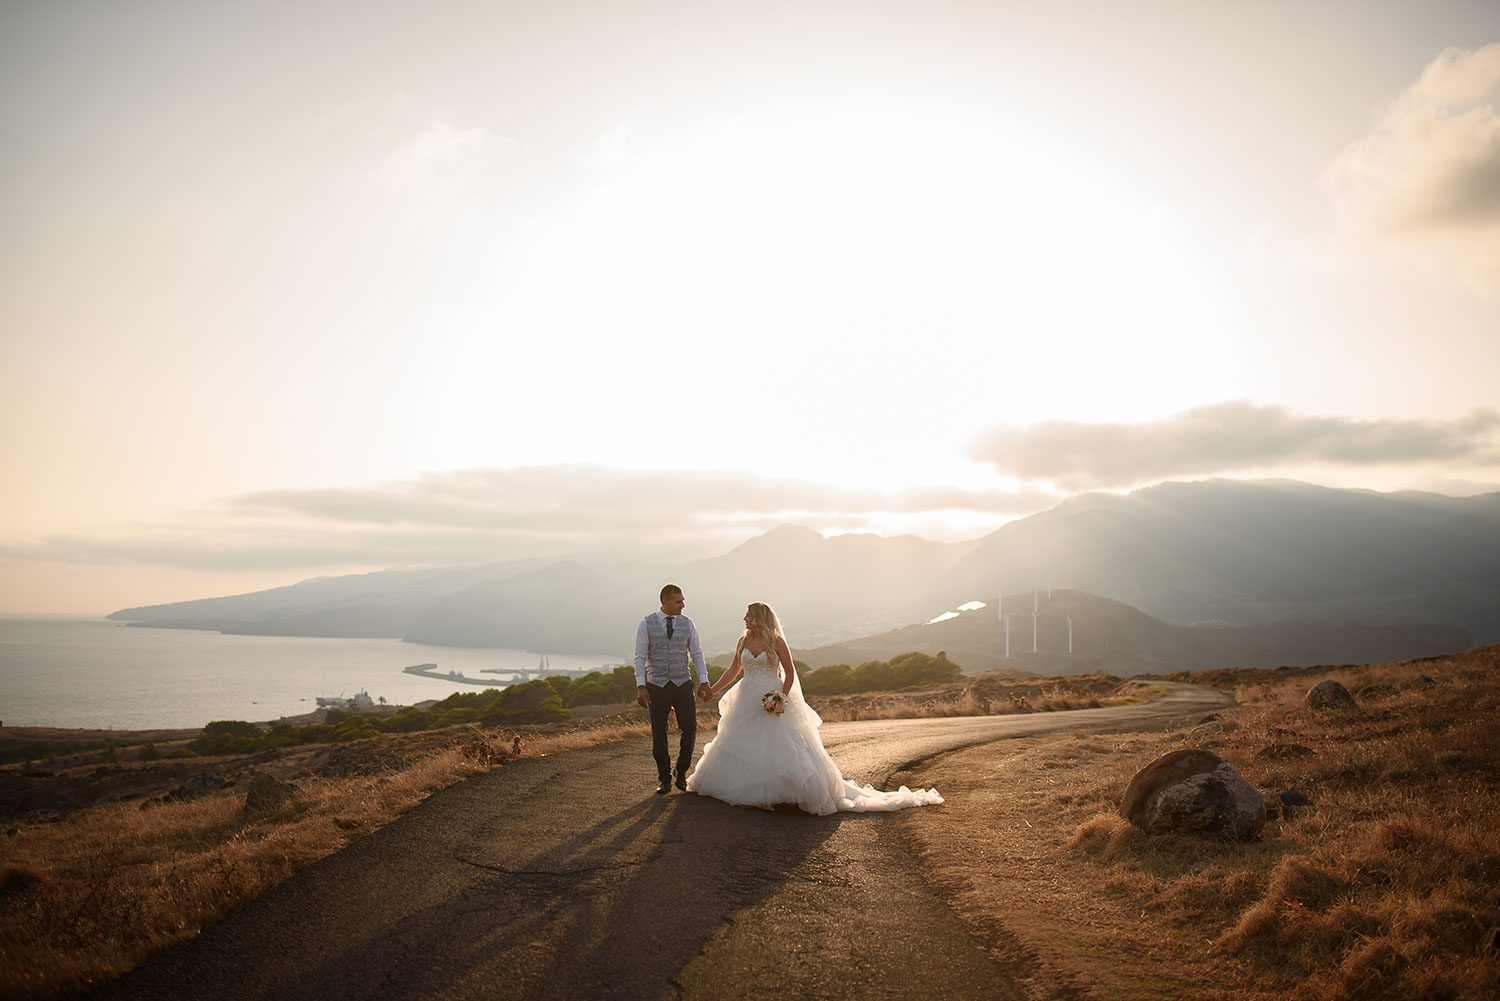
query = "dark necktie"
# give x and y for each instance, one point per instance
(669, 627)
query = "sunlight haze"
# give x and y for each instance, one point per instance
(291, 290)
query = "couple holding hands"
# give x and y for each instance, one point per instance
(767, 751)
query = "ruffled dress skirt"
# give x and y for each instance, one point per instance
(757, 759)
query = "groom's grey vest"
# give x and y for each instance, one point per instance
(667, 660)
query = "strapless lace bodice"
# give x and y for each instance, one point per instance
(762, 670)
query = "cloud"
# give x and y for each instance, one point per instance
(441, 154)
(1226, 437)
(571, 498)
(1429, 172)
(496, 515)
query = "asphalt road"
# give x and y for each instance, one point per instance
(566, 877)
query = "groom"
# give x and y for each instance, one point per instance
(665, 643)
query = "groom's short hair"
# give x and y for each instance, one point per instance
(670, 590)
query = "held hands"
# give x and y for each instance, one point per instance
(705, 692)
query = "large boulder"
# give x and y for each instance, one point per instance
(1193, 791)
(1329, 694)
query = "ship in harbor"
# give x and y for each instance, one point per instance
(359, 700)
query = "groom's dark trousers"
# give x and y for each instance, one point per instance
(663, 698)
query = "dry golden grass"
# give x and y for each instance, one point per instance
(984, 697)
(1387, 887)
(88, 897)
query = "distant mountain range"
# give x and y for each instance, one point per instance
(1244, 554)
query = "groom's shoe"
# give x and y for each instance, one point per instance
(682, 782)
(664, 787)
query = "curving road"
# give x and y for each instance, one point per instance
(565, 877)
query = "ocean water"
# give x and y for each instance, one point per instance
(99, 674)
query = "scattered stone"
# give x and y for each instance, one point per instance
(1281, 752)
(265, 794)
(1193, 791)
(1372, 693)
(1420, 683)
(340, 761)
(1209, 726)
(1284, 804)
(1329, 694)
(17, 881)
(194, 787)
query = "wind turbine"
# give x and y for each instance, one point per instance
(1033, 617)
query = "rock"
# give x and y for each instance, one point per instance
(1209, 726)
(192, 788)
(17, 881)
(265, 794)
(1284, 804)
(1294, 798)
(1193, 791)
(1279, 751)
(1371, 693)
(1329, 694)
(1420, 683)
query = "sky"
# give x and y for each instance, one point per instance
(291, 289)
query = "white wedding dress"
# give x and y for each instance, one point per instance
(757, 759)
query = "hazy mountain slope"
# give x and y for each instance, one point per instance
(1113, 637)
(383, 603)
(834, 588)
(1255, 552)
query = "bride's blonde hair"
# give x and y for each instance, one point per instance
(764, 625)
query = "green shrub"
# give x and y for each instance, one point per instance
(901, 671)
(835, 679)
(529, 702)
(232, 727)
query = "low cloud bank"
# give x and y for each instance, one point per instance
(561, 499)
(498, 515)
(1226, 438)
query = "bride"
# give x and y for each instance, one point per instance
(767, 750)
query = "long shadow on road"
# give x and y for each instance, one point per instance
(614, 912)
(530, 882)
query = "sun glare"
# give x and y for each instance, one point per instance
(860, 245)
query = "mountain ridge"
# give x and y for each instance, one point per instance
(1247, 553)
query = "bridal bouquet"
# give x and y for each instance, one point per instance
(773, 703)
